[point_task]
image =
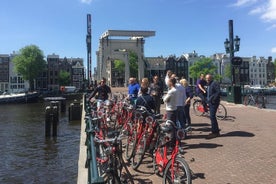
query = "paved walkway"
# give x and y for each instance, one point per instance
(244, 153)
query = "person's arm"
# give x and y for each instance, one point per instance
(93, 93)
(201, 88)
(216, 95)
(167, 97)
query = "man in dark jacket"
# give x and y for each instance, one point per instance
(213, 100)
(145, 100)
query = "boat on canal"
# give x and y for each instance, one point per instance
(28, 97)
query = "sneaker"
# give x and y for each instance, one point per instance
(213, 135)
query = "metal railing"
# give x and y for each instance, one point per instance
(91, 163)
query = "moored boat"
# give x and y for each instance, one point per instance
(29, 97)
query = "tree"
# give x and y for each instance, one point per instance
(64, 78)
(205, 66)
(119, 66)
(227, 71)
(133, 64)
(29, 63)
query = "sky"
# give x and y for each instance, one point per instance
(182, 26)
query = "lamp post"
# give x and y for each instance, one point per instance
(231, 46)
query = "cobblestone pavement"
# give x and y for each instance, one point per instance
(244, 153)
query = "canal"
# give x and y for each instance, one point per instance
(26, 156)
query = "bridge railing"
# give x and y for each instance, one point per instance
(91, 163)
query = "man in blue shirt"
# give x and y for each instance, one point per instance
(133, 89)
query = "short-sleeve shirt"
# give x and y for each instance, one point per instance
(202, 83)
(102, 91)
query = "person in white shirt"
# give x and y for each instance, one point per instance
(180, 103)
(170, 100)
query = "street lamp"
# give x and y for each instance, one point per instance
(231, 46)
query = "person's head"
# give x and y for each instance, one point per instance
(155, 79)
(172, 82)
(201, 76)
(145, 82)
(144, 90)
(184, 82)
(209, 78)
(131, 80)
(169, 73)
(103, 81)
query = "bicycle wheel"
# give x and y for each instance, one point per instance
(198, 108)
(139, 152)
(260, 102)
(131, 142)
(221, 112)
(178, 173)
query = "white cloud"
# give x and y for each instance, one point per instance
(86, 1)
(244, 2)
(270, 12)
(273, 26)
(273, 50)
(257, 10)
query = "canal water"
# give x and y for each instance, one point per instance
(26, 156)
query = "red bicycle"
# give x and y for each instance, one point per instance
(145, 135)
(167, 158)
(199, 110)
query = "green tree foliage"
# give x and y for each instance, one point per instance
(205, 66)
(133, 64)
(119, 66)
(64, 78)
(29, 63)
(227, 70)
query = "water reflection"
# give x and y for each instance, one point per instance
(27, 156)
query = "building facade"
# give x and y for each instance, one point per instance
(74, 66)
(4, 72)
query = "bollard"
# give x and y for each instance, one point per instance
(51, 119)
(48, 117)
(55, 120)
(75, 110)
(62, 105)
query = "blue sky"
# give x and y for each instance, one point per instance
(59, 26)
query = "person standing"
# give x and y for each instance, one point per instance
(189, 95)
(213, 100)
(170, 100)
(133, 89)
(200, 90)
(180, 102)
(156, 92)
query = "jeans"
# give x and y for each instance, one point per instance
(203, 99)
(187, 114)
(171, 115)
(181, 116)
(157, 101)
(214, 123)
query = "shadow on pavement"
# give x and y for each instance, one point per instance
(238, 134)
(200, 124)
(202, 145)
(143, 181)
(229, 118)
